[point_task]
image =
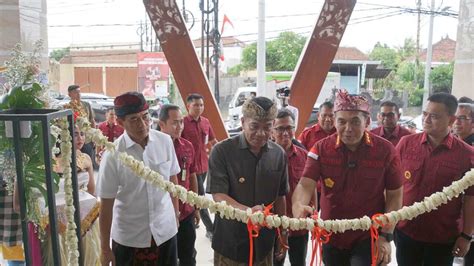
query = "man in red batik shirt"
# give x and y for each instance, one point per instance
(198, 130)
(283, 132)
(430, 161)
(360, 175)
(389, 128)
(324, 127)
(171, 123)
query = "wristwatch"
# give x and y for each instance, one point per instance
(387, 236)
(466, 236)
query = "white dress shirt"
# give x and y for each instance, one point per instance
(140, 210)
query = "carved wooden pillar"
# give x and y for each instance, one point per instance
(182, 59)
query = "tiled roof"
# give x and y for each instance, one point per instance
(350, 53)
(443, 51)
(227, 41)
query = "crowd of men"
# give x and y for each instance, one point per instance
(337, 167)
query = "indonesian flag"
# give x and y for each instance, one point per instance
(221, 46)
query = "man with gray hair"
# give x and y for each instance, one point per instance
(248, 171)
(462, 126)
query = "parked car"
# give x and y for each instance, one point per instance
(99, 103)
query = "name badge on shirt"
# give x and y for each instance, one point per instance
(183, 175)
(206, 139)
(183, 172)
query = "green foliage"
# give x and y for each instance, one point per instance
(441, 78)
(249, 57)
(235, 70)
(384, 53)
(27, 93)
(58, 54)
(282, 54)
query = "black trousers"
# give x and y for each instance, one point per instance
(469, 258)
(205, 217)
(359, 255)
(298, 246)
(412, 252)
(186, 239)
(165, 254)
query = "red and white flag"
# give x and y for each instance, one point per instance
(221, 46)
(224, 21)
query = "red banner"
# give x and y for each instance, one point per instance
(153, 75)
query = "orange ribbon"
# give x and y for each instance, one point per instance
(253, 230)
(374, 237)
(319, 236)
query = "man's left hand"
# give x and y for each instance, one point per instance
(385, 251)
(461, 247)
(197, 217)
(282, 247)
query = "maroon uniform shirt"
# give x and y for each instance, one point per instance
(353, 182)
(296, 161)
(313, 134)
(199, 133)
(396, 135)
(112, 132)
(426, 171)
(185, 154)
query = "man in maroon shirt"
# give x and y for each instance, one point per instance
(360, 174)
(283, 132)
(198, 131)
(430, 161)
(110, 128)
(171, 123)
(388, 119)
(322, 129)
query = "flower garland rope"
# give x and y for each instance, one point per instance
(272, 221)
(71, 237)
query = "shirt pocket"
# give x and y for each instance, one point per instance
(447, 173)
(331, 179)
(163, 168)
(370, 180)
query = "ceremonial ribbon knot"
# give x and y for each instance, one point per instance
(319, 236)
(374, 237)
(253, 230)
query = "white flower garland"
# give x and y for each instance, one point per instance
(71, 237)
(226, 211)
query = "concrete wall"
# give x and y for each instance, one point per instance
(463, 79)
(25, 24)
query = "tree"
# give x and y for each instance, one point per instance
(441, 78)
(384, 53)
(282, 54)
(58, 54)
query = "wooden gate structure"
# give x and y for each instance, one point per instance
(310, 73)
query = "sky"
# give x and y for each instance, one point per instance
(69, 22)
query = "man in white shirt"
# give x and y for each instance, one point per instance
(140, 218)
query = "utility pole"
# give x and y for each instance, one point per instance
(417, 56)
(261, 76)
(429, 54)
(216, 53)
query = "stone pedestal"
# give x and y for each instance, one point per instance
(463, 79)
(23, 21)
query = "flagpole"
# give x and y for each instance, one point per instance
(261, 82)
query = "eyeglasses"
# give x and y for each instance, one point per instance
(387, 115)
(281, 130)
(462, 118)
